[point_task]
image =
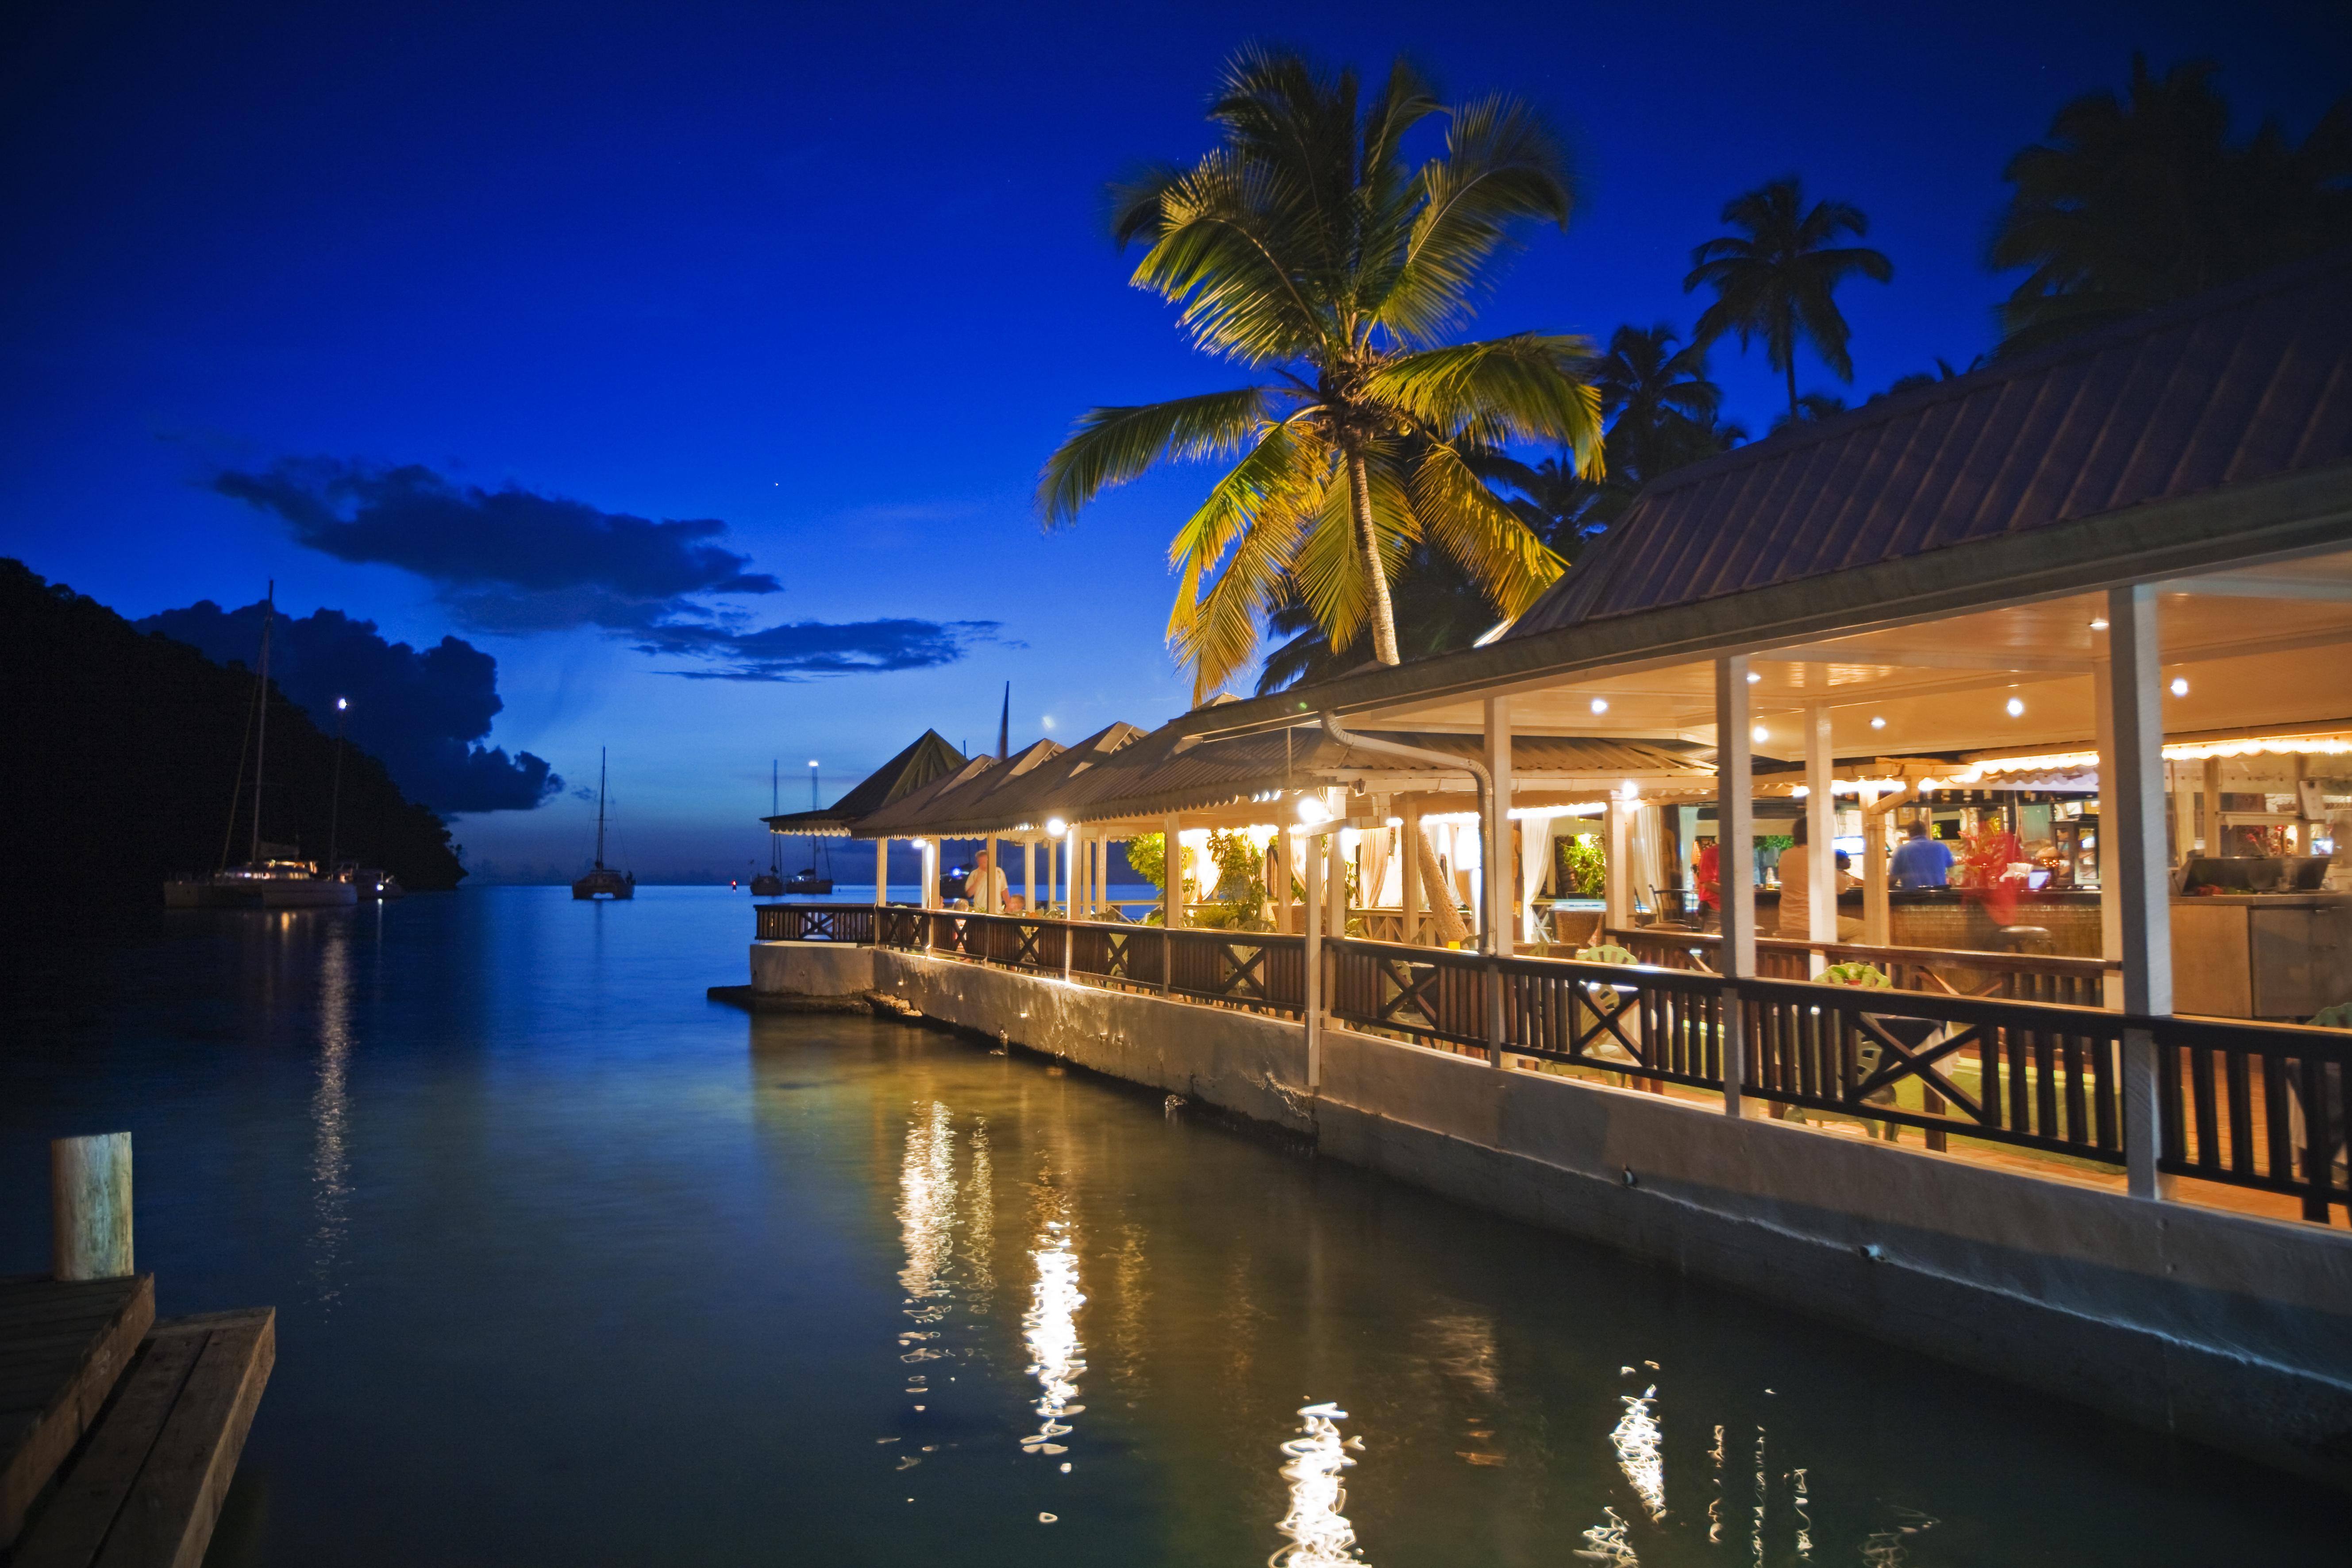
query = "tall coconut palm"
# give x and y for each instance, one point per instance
(1305, 246)
(1778, 277)
(2131, 203)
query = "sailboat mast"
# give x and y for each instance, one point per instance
(600, 808)
(261, 728)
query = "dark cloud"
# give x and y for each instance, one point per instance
(418, 712)
(803, 650)
(511, 562)
(507, 560)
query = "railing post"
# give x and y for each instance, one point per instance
(1314, 912)
(2133, 860)
(1171, 896)
(1820, 854)
(1735, 838)
(1498, 866)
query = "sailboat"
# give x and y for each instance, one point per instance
(770, 883)
(604, 881)
(810, 880)
(274, 876)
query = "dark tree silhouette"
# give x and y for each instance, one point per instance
(2131, 203)
(1778, 277)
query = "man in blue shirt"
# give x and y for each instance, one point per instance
(1921, 862)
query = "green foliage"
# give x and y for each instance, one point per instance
(1607, 953)
(1867, 976)
(1778, 278)
(1583, 866)
(1303, 244)
(2131, 203)
(1147, 856)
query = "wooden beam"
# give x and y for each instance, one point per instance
(1735, 835)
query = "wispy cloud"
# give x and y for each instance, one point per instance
(805, 649)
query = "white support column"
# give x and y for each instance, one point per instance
(1877, 911)
(2132, 861)
(1495, 860)
(1734, 838)
(1053, 864)
(1618, 872)
(1335, 877)
(1029, 874)
(989, 905)
(881, 872)
(2102, 729)
(1171, 894)
(931, 852)
(1408, 872)
(1821, 826)
(1311, 885)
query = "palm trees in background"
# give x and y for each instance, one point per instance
(1778, 277)
(1661, 405)
(1305, 246)
(2131, 203)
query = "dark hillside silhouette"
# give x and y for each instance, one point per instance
(119, 754)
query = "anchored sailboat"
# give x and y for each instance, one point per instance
(770, 883)
(604, 881)
(274, 876)
(811, 880)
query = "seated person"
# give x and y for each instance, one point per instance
(1920, 862)
(1796, 892)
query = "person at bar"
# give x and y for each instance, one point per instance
(1796, 892)
(1921, 862)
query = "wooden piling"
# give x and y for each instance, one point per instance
(89, 1207)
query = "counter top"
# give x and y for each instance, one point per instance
(2322, 899)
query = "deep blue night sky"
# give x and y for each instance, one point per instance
(769, 314)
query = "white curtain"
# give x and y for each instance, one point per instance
(1534, 857)
(1649, 827)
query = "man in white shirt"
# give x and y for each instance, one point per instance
(983, 887)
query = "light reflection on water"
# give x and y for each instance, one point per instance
(602, 1271)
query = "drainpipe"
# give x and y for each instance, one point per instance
(1445, 760)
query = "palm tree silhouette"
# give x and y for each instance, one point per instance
(2128, 204)
(1778, 278)
(1305, 246)
(1659, 404)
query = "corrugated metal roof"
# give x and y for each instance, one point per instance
(928, 759)
(2246, 383)
(1123, 773)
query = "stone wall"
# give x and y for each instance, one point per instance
(2234, 1331)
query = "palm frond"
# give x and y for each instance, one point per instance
(1109, 446)
(1221, 255)
(1328, 568)
(1528, 386)
(1490, 541)
(1503, 169)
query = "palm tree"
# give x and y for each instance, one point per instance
(1659, 404)
(2128, 204)
(1778, 278)
(1439, 609)
(1305, 246)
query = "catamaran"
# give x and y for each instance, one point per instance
(274, 876)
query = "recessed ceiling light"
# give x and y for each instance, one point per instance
(2017, 707)
(1877, 723)
(1753, 677)
(2098, 623)
(2181, 686)
(1600, 705)
(1760, 734)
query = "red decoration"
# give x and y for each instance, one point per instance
(1982, 871)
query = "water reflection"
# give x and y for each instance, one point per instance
(330, 1187)
(1050, 1329)
(926, 1189)
(1318, 1533)
(979, 1220)
(1635, 1438)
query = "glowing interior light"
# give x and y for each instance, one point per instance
(342, 703)
(1600, 705)
(2181, 686)
(1056, 827)
(1877, 723)
(1760, 734)
(1753, 677)
(2017, 707)
(1800, 792)
(1312, 811)
(2099, 624)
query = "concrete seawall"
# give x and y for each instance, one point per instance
(2232, 1331)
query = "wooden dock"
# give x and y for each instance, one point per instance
(118, 1433)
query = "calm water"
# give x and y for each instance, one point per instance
(574, 1266)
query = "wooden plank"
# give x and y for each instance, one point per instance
(170, 1515)
(69, 1531)
(67, 1343)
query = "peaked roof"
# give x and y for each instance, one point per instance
(928, 759)
(2248, 383)
(1040, 782)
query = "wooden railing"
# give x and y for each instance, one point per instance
(1935, 971)
(2258, 1106)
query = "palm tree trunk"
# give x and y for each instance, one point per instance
(1384, 641)
(1792, 381)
